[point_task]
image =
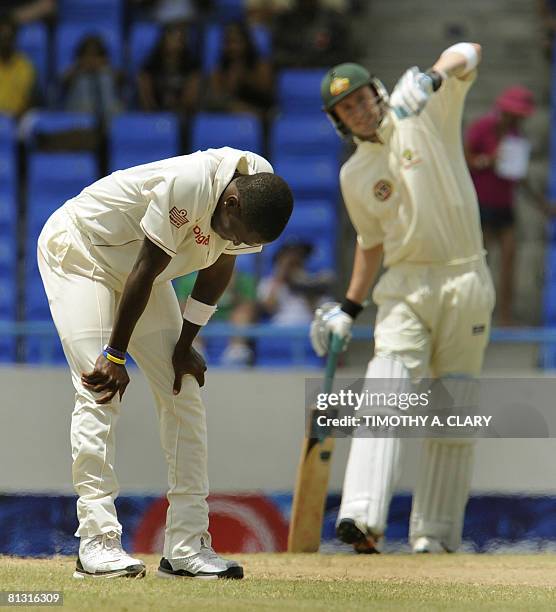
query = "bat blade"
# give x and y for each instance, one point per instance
(310, 495)
(311, 487)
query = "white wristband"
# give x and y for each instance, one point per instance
(198, 313)
(468, 51)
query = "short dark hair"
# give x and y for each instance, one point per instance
(266, 203)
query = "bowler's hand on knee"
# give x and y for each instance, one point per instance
(187, 361)
(107, 376)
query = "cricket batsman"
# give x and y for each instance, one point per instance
(107, 258)
(410, 197)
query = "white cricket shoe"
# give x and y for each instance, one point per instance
(424, 544)
(102, 556)
(205, 564)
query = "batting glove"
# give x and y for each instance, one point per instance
(411, 94)
(330, 319)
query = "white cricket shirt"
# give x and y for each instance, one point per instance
(414, 193)
(171, 202)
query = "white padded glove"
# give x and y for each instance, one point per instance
(411, 94)
(329, 319)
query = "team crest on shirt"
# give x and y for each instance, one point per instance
(410, 158)
(383, 190)
(178, 217)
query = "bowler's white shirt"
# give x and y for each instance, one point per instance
(171, 202)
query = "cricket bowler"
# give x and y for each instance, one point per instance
(410, 197)
(107, 258)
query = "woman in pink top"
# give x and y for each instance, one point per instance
(497, 154)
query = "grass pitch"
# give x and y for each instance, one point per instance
(309, 582)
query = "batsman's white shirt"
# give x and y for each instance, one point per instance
(171, 202)
(413, 194)
(85, 252)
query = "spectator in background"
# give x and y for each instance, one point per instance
(17, 75)
(170, 79)
(91, 84)
(497, 153)
(242, 80)
(290, 294)
(25, 11)
(310, 35)
(169, 11)
(237, 306)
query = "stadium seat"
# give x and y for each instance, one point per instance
(69, 35)
(227, 10)
(52, 179)
(238, 130)
(303, 135)
(52, 122)
(108, 12)
(248, 264)
(32, 40)
(309, 177)
(8, 300)
(142, 40)
(7, 134)
(299, 90)
(139, 138)
(212, 44)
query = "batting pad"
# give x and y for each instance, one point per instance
(373, 467)
(442, 490)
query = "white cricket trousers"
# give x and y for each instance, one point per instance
(83, 310)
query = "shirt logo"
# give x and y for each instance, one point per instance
(178, 217)
(338, 85)
(410, 158)
(383, 190)
(477, 330)
(201, 238)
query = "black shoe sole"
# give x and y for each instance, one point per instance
(348, 532)
(165, 571)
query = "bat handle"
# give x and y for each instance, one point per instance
(335, 348)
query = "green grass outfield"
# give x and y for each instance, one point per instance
(309, 582)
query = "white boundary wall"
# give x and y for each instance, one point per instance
(255, 421)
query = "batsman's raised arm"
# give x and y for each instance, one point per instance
(458, 60)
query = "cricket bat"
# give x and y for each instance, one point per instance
(313, 473)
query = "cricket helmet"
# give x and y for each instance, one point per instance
(344, 79)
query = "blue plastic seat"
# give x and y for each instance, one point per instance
(8, 204)
(7, 135)
(8, 300)
(140, 138)
(32, 40)
(91, 11)
(309, 177)
(299, 90)
(143, 37)
(69, 35)
(248, 264)
(238, 130)
(303, 135)
(52, 122)
(227, 10)
(52, 179)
